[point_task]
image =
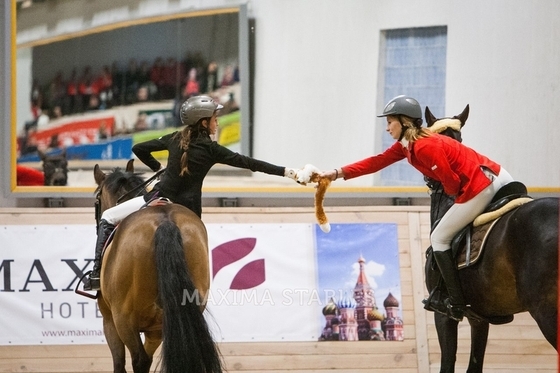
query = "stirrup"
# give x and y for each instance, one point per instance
(434, 305)
(455, 311)
(434, 301)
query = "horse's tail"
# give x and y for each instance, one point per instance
(187, 342)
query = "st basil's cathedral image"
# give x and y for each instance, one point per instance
(358, 318)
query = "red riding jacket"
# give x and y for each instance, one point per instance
(455, 165)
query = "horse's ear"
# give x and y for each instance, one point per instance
(98, 175)
(463, 116)
(430, 118)
(130, 166)
(41, 155)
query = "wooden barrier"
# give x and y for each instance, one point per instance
(516, 347)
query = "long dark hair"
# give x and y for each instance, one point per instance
(186, 136)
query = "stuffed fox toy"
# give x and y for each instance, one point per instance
(310, 174)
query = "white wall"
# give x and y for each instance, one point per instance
(317, 66)
(316, 92)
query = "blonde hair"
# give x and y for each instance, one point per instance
(411, 131)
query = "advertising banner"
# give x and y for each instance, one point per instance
(268, 283)
(78, 131)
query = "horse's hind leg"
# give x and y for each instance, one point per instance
(141, 362)
(479, 340)
(152, 342)
(115, 345)
(114, 342)
(546, 318)
(447, 336)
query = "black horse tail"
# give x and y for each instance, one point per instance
(187, 341)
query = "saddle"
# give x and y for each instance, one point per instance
(468, 244)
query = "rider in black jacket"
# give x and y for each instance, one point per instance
(191, 155)
(203, 153)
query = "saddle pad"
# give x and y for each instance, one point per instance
(489, 216)
(478, 239)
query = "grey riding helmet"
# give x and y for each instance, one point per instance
(403, 105)
(196, 108)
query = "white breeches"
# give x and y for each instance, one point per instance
(461, 214)
(116, 214)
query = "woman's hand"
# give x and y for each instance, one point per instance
(332, 175)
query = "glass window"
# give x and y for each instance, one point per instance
(413, 63)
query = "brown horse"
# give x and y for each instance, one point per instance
(517, 272)
(154, 280)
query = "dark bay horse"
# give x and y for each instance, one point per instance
(55, 168)
(518, 270)
(155, 278)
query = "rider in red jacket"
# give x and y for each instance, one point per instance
(469, 176)
(439, 157)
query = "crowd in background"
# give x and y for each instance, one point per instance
(162, 79)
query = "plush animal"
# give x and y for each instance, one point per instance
(310, 174)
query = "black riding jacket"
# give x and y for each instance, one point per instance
(203, 153)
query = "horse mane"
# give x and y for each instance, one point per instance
(118, 179)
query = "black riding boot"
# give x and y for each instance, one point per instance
(91, 282)
(435, 301)
(448, 268)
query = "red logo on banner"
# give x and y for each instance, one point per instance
(251, 274)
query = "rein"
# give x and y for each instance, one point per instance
(140, 187)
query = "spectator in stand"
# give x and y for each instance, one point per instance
(192, 87)
(103, 133)
(144, 73)
(35, 109)
(210, 78)
(142, 94)
(195, 60)
(29, 143)
(56, 91)
(86, 88)
(105, 84)
(94, 103)
(56, 112)
(43, 119)
(71, 102)
(36, 98)
(156, 77)
(141, 123)
(131, 78)
(54, 143)
(173, 74)
(146, 83)
(118, 84)
(228, 78)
